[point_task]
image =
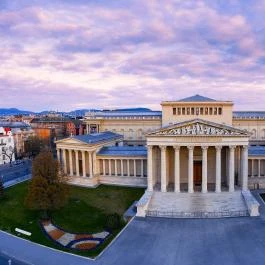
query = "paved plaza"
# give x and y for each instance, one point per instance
(159, 241)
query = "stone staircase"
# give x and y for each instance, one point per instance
(197, 205)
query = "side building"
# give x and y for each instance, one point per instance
(7, 146)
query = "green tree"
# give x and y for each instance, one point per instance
(48, 190)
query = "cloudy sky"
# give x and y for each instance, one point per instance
(70, 54)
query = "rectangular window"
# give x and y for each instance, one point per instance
(174, 111)
(206, 111)
(201, 111)
(220, 111)
(211, 111)
(215, 111)
(183, 111)
(192, 111)
(179, 111)
(188, 111)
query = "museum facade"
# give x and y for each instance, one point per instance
(189, 149)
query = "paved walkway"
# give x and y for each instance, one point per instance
(154, 241)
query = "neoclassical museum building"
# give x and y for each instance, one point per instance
(197, 157)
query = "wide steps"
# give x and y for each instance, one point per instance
(197, 205)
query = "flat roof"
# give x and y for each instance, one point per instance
(123, 151)
(256, 151)
(97, 137)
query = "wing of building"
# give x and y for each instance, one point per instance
(196, 146)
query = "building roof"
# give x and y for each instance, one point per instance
(123, 151)
(249, 114)
(94, 138)
(13, 124)
(256, 151)
(197, 98)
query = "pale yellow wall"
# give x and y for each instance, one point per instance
(131, 129)
(255, 127)
(169, 118)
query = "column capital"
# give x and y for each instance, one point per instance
(76, 151)
(176, 147)
(162, 147)
(245, 147)
(218, 147)
(190, 147)
(232, 147)
(204, 148)
(150, 147)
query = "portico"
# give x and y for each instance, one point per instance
(197, 156)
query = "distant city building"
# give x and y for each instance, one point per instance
(7, 146)
(21, 132)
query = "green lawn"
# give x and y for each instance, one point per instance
(86, 211)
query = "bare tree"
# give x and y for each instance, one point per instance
(9, 152)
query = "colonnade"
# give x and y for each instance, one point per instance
(72, 157)
(190, 177)
(256, 167)
(88, 128)
(122, 167)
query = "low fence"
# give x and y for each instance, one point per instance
(174, 214)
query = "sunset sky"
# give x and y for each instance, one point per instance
(72, 54)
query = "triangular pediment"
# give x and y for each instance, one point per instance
(199, 127)
(70, 141)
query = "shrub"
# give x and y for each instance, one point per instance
(113, 221)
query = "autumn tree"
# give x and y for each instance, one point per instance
(34, 145)
(48, 190)
(1, 188)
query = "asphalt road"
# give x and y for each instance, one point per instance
(9, 173)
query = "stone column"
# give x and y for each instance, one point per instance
(58, 156)
(77, 163)
(134, 168)
(90, 165)
(95, 167)
(109, 167)
(231, 168)
(115, 165)
(122, 173)
(190, 170)
(128, 168)
(103, 167)
(259, 168)
(87, 131)
(142, 168)
(204, 169)
(177, 168)
(150, 183)
(163, 169)
(252, 168)
(71, 162)
(218, 169)
(84, 163)
(64, 161)
(245, 168)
